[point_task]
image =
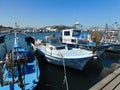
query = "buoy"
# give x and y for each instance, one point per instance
(95, 57)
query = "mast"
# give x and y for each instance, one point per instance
(106, 27)
(76, 24)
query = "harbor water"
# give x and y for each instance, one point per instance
(52, 77)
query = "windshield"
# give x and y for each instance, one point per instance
(76, 33)
(54, 41)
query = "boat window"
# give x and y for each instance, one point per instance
(76, 33)
(66, 33)
(62, 47)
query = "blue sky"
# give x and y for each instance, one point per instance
(40, 13)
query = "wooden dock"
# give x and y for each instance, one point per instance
(111, 82)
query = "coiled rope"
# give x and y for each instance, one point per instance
(96, 36)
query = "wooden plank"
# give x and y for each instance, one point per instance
(103, 82)
(112, 84)
(117, 71)
(118, 87)
(100, 85)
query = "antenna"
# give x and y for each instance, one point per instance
(76, 24)
(16, 26)
(106, 27)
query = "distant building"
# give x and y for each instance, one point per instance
(51, 29)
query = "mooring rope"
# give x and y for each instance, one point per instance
(65, 75)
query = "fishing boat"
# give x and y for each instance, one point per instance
(18, 72)
(115, 49)
(113, 37)
(90, 40)
(59, 54)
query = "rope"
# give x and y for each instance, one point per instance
(65, 75)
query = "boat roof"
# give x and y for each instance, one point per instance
(71, 29)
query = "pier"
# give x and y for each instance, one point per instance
(110, 82)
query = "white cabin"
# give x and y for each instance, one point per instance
(73, 36)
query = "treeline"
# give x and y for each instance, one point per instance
(58, 27)
(3, 28)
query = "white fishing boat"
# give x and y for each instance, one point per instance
(57, 53)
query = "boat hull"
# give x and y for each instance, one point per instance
(76, 63)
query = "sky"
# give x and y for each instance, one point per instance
(40, 13)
